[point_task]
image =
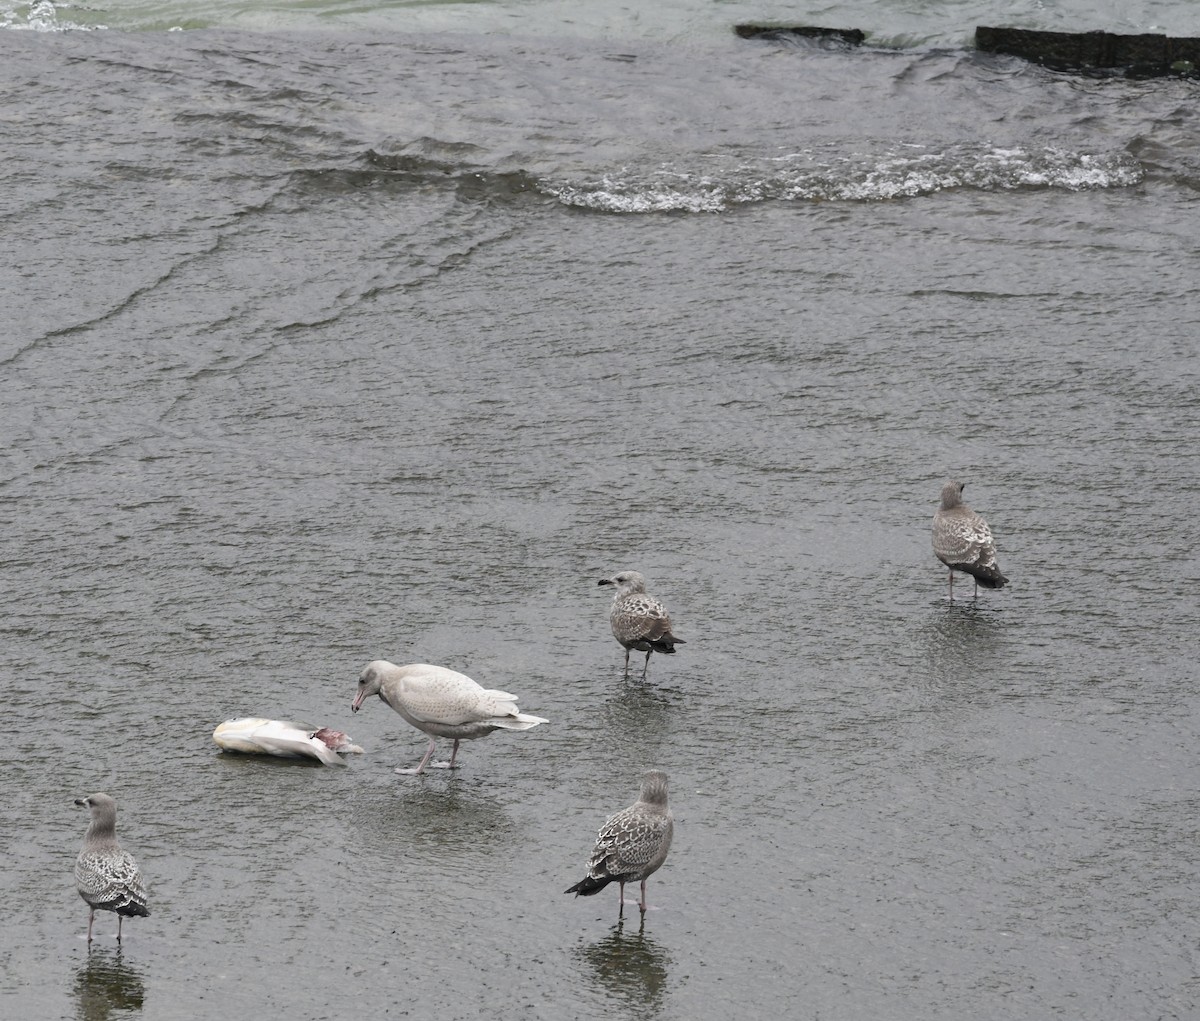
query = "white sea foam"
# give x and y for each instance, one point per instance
(721, 182)
(38, 16)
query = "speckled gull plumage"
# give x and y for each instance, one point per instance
(963, 541)
(107, 877)
(638, 620)
(632, 844)
(442, 703)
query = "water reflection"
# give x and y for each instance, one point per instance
(106, 987)
(639, 706)
(637, 718)
(423, 813)
(962, 642)
(630, 967)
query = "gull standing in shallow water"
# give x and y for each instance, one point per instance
(639, 621)
(963, 542)
(106, 876)
(632, 844)
(442, 703)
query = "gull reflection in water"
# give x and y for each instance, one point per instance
(630, 966)
(107, 987)
(962, 644)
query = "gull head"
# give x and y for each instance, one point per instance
(626, 582)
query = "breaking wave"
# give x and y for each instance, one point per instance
(722, 182)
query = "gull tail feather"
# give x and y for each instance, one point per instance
(587, 887)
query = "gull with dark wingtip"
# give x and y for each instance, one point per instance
(633, 844)
(963, 541)
(639, 621)
(107, 877)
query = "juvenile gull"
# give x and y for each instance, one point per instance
(253, 735)
(106, 876)
(442, 703)
(639, 621)
(632, 844)
(963, 542)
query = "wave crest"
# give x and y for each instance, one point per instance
(729, 181)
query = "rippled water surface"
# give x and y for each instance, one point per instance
(328, 345)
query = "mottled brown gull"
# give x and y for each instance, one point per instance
(963, 542)
(253, 735)
(106, 876)
(633, 844)
(442, 703)
(639, 621)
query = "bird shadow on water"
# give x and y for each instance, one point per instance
(106, 986)
(629, 967)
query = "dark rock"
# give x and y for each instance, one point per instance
(850, 36)
(1104, 53)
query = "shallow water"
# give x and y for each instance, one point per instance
(326, 346)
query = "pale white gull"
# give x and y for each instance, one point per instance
(963, 541)
(632, 844)
(442, 703)
(106, 876)
(639, 621)
(252, 735)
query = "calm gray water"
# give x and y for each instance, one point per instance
(329, 345)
